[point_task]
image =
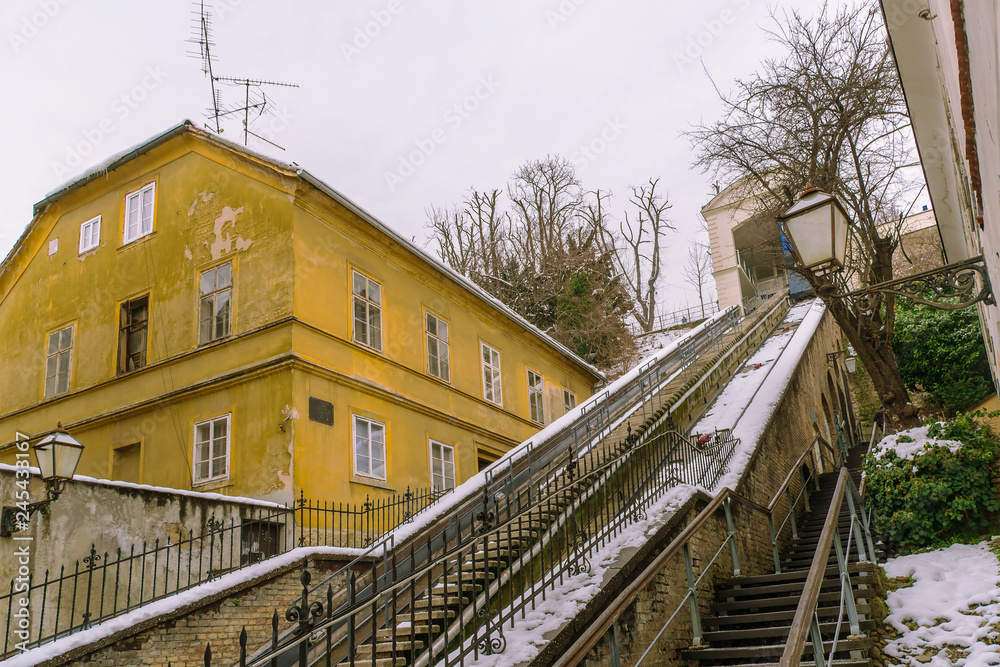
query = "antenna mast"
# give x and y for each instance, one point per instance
(254, 98)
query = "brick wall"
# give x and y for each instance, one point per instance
(180, 638)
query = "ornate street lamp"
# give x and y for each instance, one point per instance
(58, 454)
(817, 227)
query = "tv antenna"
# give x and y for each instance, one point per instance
(254, 98)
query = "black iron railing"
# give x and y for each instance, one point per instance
(106, 584)
(483, 576)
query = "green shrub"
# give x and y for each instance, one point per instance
(942, 351)
(940, 495)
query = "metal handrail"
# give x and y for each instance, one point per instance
(582, 646)
(805, 621)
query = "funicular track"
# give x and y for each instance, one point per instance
(445, 595)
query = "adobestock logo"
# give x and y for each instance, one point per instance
(121, 108)
(590, 151)
(365, 34)
(32, 25)
(454, 117)
(697, 44)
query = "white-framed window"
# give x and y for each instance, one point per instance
(215, 303)
(491, 375)
(369, 447)
(438, 358)
(90, 234)
(442, 466)
(211, 449)
(569, 400)
(367, 297)
(536, 396)
(59, 353)
(138, 213)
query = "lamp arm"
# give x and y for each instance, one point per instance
(954, 281)
(14, 519)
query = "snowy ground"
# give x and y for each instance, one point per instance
(951, 613)
(726, 411)
(654, 342)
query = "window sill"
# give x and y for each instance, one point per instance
(371, 481)
(125, 245)
(212, 484)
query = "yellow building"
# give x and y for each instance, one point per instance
(202, 317)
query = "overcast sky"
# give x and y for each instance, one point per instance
(401, 104)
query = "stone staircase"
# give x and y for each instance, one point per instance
(751, 616)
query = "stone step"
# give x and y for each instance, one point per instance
(385, 647)
(792, 575)
(780, 631)
(773, 616)
(440, 601)
(769, 650)
(794, 587)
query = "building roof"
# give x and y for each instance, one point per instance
(187, 127)
(913, 47)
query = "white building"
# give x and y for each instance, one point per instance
(746, 256)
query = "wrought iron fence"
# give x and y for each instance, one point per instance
(690, 315)
(105, 584)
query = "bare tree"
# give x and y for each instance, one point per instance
(698, 270)
(542, 257)
(829, 112)
(546, 197)
(638, 258)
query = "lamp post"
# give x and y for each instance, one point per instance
(58, 454)
(817, 227)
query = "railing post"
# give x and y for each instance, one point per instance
(91, 562)
(615, 657)
(866, 525)
(817, 640)
(692, 598)
(732, 538)
(856, 525)
(352, 583)
(774, 545)
(791, 513)
(845, 582)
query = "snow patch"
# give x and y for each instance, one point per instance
(920, 441)
(748, 402)
(954, 601)
(159, 489)
(172, 603)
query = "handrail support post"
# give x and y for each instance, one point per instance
(817, 640)
(845, 577)
(856, 524)
(791, 513)
(692, 598)
(732, 537)
(774, 545)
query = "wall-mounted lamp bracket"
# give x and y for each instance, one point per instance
(951, 287)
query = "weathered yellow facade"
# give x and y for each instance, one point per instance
(290, 337)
